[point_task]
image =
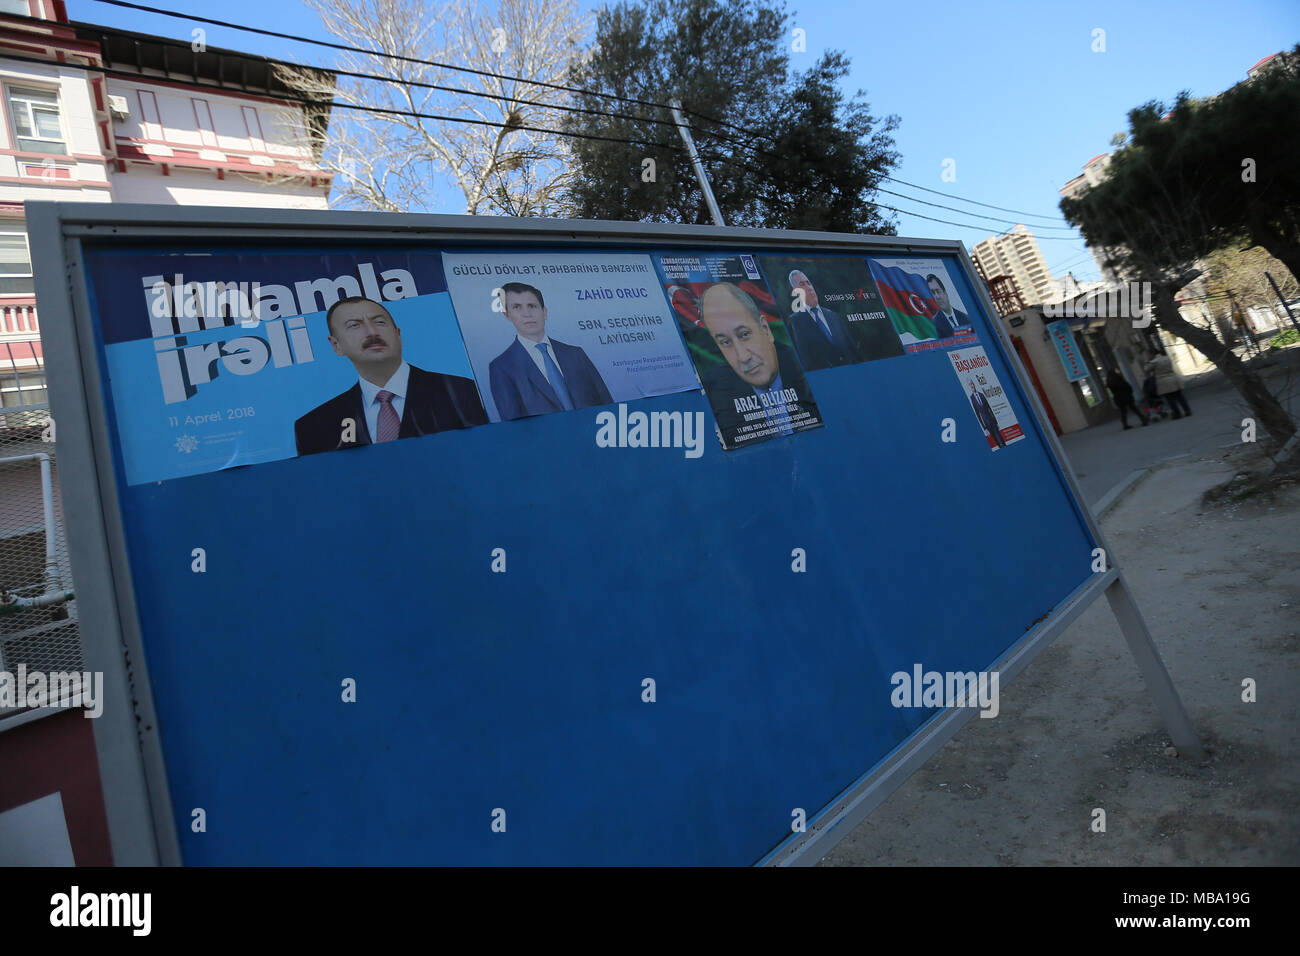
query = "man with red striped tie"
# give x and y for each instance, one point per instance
(392, 399)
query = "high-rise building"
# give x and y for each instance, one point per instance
(1094, 171)
(1016, 253)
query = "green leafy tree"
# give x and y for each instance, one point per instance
(811, 158)
(1254, 129)
(1179, 190)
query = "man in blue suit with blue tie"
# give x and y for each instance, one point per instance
(537, 374)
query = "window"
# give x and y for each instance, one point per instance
(253, 124)
(19, 390)
(15, 265)
(19, 7)
(150, 121)
(36, 121)
(203, 117)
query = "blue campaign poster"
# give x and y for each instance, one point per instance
(213, 359)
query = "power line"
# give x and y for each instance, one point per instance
(447, 66)
(964, 212)
(544, 130)
(386, 79)
(388, 56)
(938, 192)
(1079, 260)
(127, 74)
(110, 71)
(559, 86)
(906, 212)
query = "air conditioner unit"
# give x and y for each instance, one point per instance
(118, 107)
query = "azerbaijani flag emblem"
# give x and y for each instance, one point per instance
(907, 301)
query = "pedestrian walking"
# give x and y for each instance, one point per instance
(1155, 409)
(1169, 385)
(1122, 393)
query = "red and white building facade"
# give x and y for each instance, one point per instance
(93, 114)
(169, 122)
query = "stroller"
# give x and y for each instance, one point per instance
(1154, 407)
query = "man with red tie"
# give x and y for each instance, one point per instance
(392, 399)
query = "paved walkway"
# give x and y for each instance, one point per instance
(1104, 455)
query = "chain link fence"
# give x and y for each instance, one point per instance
(39, 628)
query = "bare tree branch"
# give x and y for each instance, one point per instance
(393, 162)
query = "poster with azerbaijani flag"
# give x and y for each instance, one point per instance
(923, 303)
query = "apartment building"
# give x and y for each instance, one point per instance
(1016, 253)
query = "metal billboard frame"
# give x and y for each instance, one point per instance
(142, 828)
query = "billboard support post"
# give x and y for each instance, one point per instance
(1120, 598)
(1153, 669)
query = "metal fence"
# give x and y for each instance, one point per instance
(39, 628)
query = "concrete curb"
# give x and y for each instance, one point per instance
(1113, 497)
(1127, 486)
(1124, 488)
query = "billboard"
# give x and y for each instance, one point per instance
(581, 635)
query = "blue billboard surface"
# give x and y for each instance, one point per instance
(437, 650)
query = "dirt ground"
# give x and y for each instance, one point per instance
(1220, 589)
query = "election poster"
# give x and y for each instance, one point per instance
(923, 303)
(987, 400)
(740, 346)
(549, 332)
(832, 310)
(224, 359)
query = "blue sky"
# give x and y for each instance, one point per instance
(1011, 91)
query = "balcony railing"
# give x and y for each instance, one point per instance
(18, 317)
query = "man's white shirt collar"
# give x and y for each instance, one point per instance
(397, 385)
(531, 348)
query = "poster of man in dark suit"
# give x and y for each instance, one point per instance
(984, 414)
(761, 391)
(947, 321)
(820, 335)
(836, 316)
(536, 374)
(391, 399)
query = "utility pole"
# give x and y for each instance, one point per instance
(1240, 321)
(1278, 293)
(685, 130)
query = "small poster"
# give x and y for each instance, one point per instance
(550, 332)
(832, 310)
(923, 303)
(740, 345)
(986, 397)
(1068, 350)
